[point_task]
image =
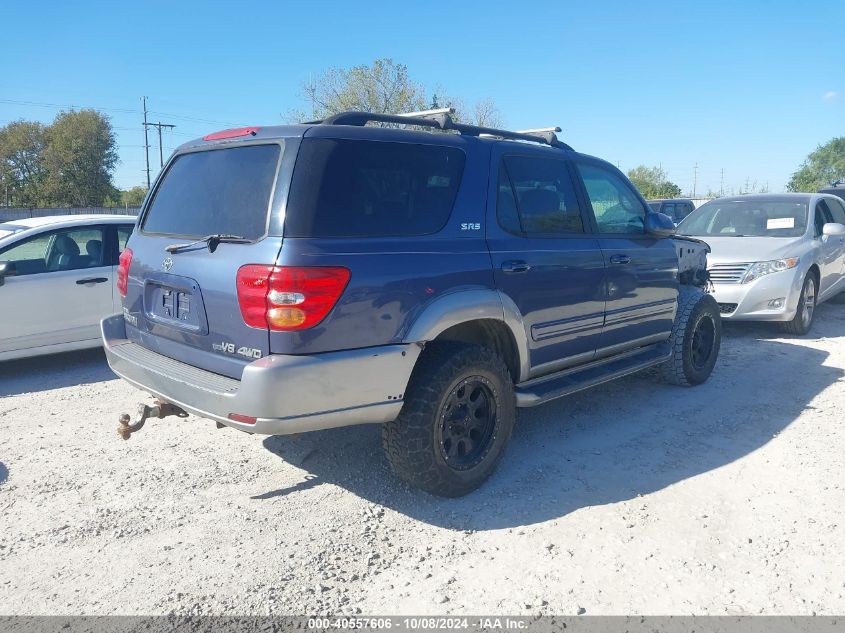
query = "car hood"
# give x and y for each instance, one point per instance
(728, 250)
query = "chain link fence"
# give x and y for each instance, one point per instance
(8, 214)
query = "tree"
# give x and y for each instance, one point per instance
(133, 197)
(21, 162)
(824, 165)
(383, 87)
(653, 182)
(79, 158)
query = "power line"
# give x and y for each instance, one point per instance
(160, 125)
(44, 104)
(146, 142)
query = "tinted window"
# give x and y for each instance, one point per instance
(747, 218)
(69, 249)
(616, 207)
(218, 191)
(542, 191)
(506, 203)
(837, 210)
(823, 216)
(347, 188)
(655, 206)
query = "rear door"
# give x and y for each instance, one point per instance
(184, 304)
(642, 271)
(545, 258)
(63, 287)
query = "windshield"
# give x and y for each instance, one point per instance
(746, 218)
(221, 191)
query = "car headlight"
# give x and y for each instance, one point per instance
(758, 269)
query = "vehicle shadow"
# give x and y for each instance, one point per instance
(44, 373)
(612, 443)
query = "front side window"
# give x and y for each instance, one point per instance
(616, 207)
(353, 188)
(837, 211)
(67, 249)
(536, 197)
(823, 216)
(220, 191)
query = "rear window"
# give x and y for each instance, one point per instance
(349, 188)
(225, 191)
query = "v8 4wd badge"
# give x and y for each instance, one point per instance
(229, 348)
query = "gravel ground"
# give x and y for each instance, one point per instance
(634, 497)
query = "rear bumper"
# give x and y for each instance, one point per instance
(287, 394)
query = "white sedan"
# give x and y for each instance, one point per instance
(774, 257)
(57, 281)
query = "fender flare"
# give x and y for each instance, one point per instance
(463, 306)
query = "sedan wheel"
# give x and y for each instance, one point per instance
(806, 308)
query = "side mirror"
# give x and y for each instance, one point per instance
(659, 224)
(831, 228)
(7, 269)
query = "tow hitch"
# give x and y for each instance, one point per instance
(158, 410)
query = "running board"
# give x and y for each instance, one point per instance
(545, 388)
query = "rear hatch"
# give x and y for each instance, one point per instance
(182, 298)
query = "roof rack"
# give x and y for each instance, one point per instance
(441, 119)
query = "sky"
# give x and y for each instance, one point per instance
(742, 90)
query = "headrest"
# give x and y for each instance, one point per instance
(66, 246)
(94, 248)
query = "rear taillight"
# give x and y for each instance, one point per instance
(288, 297)
(125, 262)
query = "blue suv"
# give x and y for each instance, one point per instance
(431, 280)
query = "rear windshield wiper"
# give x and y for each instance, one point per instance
(211, 241)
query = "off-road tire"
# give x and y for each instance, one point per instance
(697, 312)
(800, 325)
(413, 443)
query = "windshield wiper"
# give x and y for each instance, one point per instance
(211, 241)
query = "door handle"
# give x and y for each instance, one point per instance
(516, 266)
(92, 280)
(620, 259)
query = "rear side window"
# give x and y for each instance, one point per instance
(224, 191)
(351, 188)
(542, 198)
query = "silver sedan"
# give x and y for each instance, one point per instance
(775, 257)
(57, 281)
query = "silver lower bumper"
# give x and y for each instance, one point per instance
(286, 394)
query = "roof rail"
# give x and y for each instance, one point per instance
(441, 119)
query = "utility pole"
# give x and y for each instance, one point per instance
(722, 184)
(146, 142)
(158, 125)
(694, 179)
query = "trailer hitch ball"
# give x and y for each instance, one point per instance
(158, 410)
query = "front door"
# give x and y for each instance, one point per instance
(642, 270)
(831, 249)
(545, 259)
(61, 289)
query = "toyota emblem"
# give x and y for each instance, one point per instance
(167, 264)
